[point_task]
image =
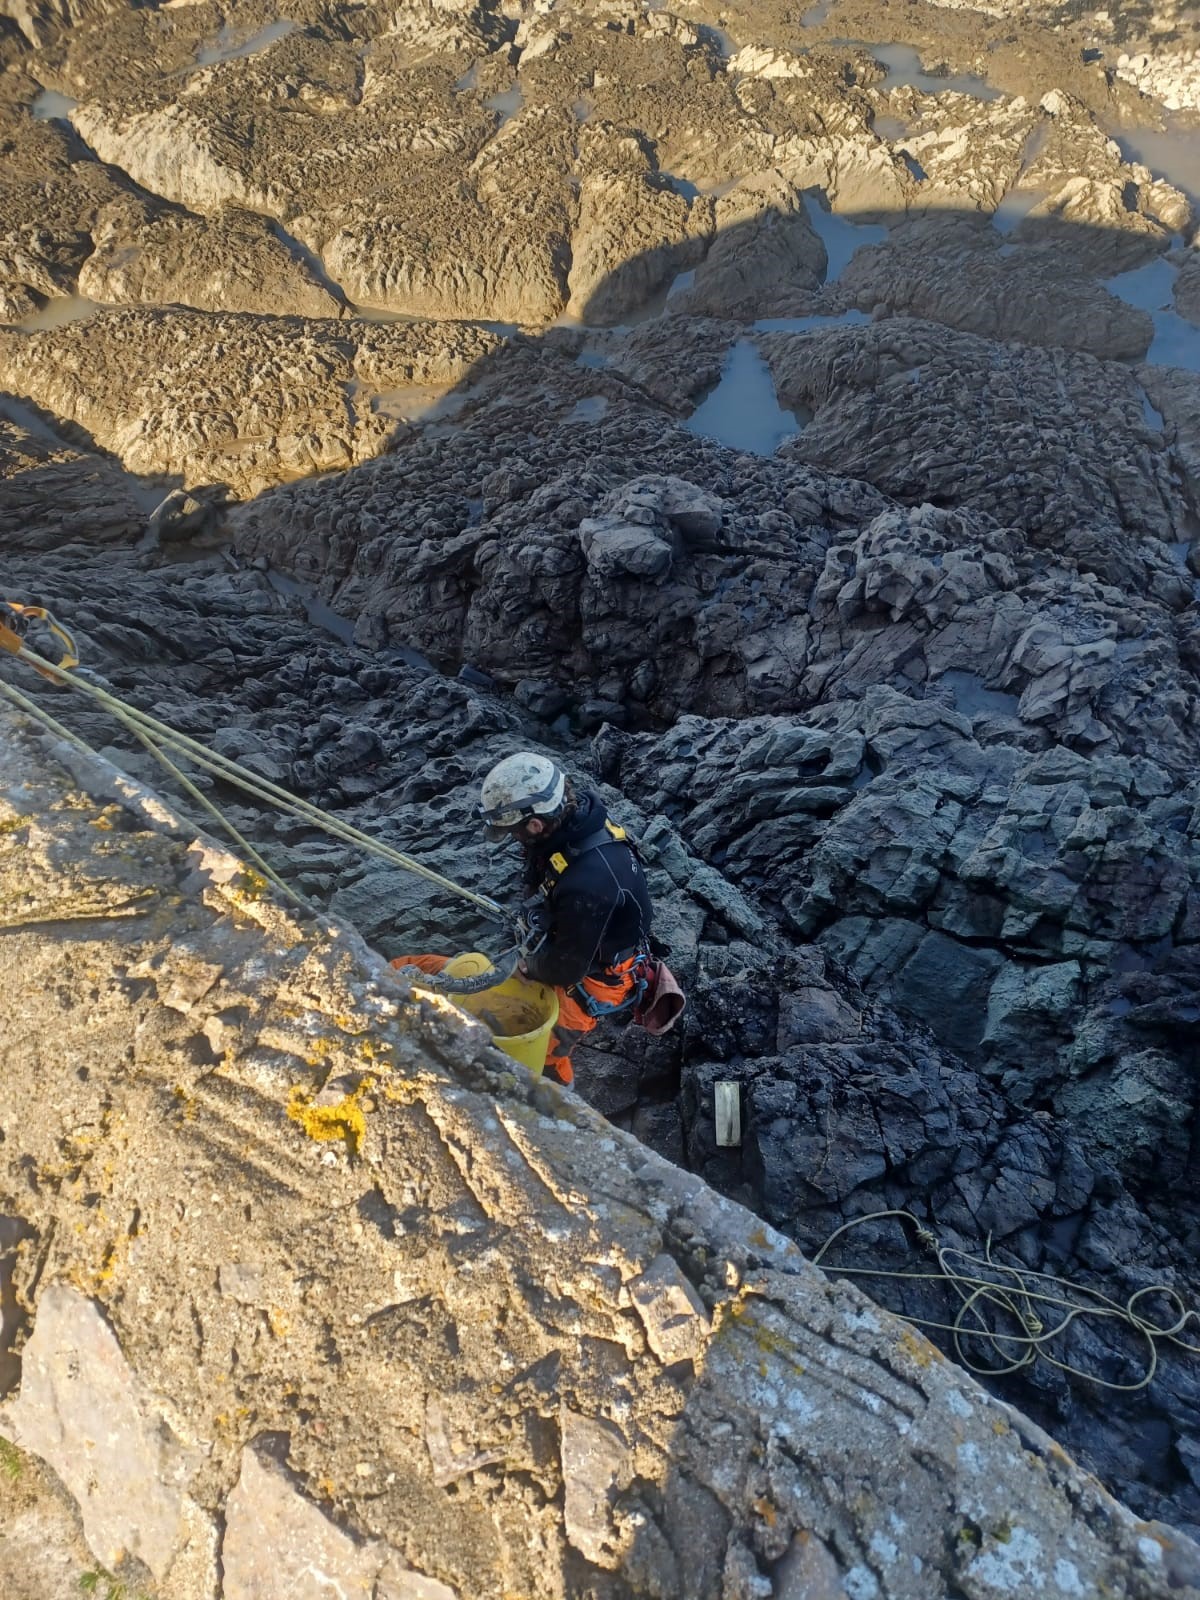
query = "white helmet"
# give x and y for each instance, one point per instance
(519, 787)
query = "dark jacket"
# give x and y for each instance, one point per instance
(599, 907)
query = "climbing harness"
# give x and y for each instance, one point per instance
(636, 961)
(159, 737)
(610, 833)
(1027, 1300)
(636, 964)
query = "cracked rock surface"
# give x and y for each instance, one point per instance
(308, 1169)
(927, 949)
(803, 445)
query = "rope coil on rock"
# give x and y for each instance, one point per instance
(1014, 1297)
(159, 737)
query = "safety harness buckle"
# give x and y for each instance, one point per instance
(640, 972)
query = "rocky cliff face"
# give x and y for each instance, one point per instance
(323, 1294)
(834, 506)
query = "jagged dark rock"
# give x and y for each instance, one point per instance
(903, 710)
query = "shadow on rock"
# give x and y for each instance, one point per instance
(903, 709)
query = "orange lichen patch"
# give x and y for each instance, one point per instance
(774, 1344)
(187, 1102)
(322, 1049)
(727, 1314)
(376, 1050)
(345, 1120)
(918, 1349)
(249, 885)
(766, 1511)
(736, 1315)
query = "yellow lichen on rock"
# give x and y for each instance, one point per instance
(345, 1120)
(918, 1348)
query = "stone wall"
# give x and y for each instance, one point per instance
(315, 1293)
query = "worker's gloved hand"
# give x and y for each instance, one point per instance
(533, 924)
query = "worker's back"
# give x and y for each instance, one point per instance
(600, 911)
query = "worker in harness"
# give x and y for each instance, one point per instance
(586, 916)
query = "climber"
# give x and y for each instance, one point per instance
(586, 917)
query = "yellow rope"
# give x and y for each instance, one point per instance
(213, 811)
(32, 709)
(159, 737)
(1016, 1298)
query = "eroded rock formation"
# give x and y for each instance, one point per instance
(905, 707)
(324, 1292)
(997, 891)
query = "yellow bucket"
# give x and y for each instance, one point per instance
(518, 1012)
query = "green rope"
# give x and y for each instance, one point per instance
(159, 737)
(32, 709)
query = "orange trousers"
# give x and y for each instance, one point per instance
(615, 986)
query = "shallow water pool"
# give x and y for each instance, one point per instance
(743, 411)
(1172, 153)
(50, 106)
(1014, 208)
(1152, 288)
(840, 238)
(507, 104)
(591, 409)
(58, 313)
(227, 46)
(906, 69)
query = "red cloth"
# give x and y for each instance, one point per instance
(663, 1002)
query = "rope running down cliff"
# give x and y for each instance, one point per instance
(159, 737)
